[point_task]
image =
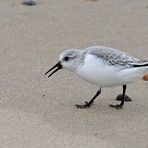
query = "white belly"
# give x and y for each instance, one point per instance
(97, 73)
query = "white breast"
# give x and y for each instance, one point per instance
(95, 71)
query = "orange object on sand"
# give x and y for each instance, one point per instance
(145, 78)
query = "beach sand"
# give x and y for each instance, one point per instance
(37, 112)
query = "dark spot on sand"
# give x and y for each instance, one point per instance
(43, 95)
(95, 134)
(120, 96)
(29, 3)
(92, 0)
(12, 5)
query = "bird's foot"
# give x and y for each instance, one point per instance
(126, 98)
(86, 105)
(117, 106)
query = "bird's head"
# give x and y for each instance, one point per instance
(68, 59)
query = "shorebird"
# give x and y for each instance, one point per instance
(103, 67)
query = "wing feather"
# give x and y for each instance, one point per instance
(112, 56)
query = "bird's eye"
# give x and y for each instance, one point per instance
(66, 58)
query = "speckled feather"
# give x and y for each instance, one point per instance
(112, 56)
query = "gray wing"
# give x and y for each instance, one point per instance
(113, 57)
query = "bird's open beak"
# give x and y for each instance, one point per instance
(58, 66)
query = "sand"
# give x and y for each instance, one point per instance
(37, 112)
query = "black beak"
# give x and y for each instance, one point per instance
(58, 65)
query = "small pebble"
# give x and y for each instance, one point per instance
(92, 0)
(127, 98)
(29, 3)
(145, 78)
(43, 96)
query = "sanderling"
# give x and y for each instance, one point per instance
(102, 66)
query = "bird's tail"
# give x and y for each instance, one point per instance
(141, 64)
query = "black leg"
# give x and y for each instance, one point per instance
(119, 106)
(87, 104)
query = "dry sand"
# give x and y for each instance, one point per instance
(36, 112)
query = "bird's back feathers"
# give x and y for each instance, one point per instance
(112, 56)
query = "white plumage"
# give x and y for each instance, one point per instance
(104, 67)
